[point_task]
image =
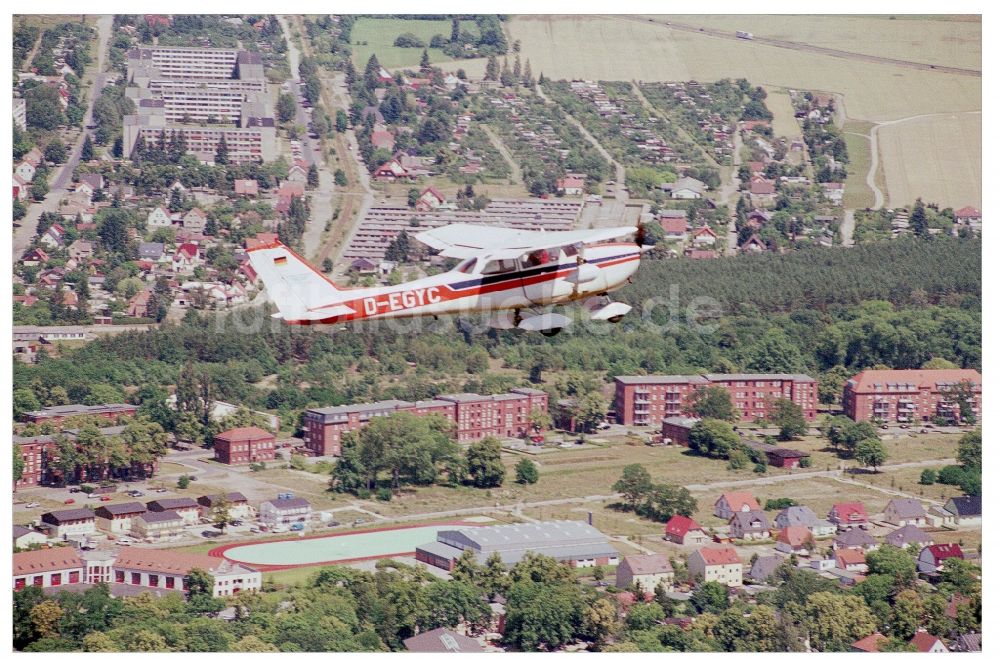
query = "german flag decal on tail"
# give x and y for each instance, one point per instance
(283, 259)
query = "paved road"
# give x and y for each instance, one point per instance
(801, 46)
(25, 232)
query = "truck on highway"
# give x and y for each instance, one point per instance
(742, 34)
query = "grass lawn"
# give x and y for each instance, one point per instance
(377, 35)
(909, 448)
(908, 481)
(780, 104)
(313, 487)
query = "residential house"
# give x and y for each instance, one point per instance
(969, 215)
(152, 252)
(854, 538)
(932, 558)
(908, 534)
(35, 257)
(138, 305)
(805, 517)
(762, 193)
(834, 192)
(25, 537)
(685, 188)
(22, 188)
(647, 571)
(194, 220)
(186, 258)
(94, 181)
(764, 567)
(685, 531)
(157, 525)
(68, 523)
(186, 507)
(968, 511)
(117, 518)
(81, 249)
(570, 185)
(158, 217)
(704, 236)
(49, 567)
(925, 642)
(872, 643)
(735, 502)
(675, 227)
(53, 236)
(849, 514)
(442, 640)
(905, 511)
(797, 539)
(285, 511)
(238, 506)
(851, 560)
(25, 170)
(391, 171)
(430, 199)
(718, 564)
(246, 187)
(753, 245)
(968, 643)
(749, 526)
(297, 174)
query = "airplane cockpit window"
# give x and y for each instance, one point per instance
(466, 266)
(499, 266)
(539, 257)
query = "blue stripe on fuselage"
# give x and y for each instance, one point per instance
(537, 270)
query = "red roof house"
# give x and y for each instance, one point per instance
(685, 531)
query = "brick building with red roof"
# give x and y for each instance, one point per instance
(242, 446)
(910, 395)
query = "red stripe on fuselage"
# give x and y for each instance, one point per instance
(451, 294)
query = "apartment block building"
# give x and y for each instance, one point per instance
(904, 396)
(475, 416)
(205, 97)
(59, 413)
(647, 399)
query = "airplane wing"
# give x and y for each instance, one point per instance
(461, 241)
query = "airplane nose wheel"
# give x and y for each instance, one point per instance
(549, 332)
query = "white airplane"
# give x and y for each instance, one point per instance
(506, 272)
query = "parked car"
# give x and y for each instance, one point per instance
(74, 490)
(162, 490)
(32, 505)
(235, 523)
(105, 498)
(70, 501)
(359, 521)
(208, 534)
(333, 523)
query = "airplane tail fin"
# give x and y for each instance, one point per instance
(301, 292)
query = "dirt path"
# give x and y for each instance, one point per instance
(515, 168)
(621, 194)
(873, 146)
(800, 46)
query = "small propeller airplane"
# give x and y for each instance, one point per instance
(506, 272)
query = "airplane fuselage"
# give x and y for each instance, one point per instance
(482, 284)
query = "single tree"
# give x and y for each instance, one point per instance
(527, 472)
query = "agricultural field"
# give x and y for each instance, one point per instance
(954, 182)
(371, 35)
(940, 40)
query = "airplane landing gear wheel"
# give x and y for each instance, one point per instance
(615, 320)
(549, 332)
